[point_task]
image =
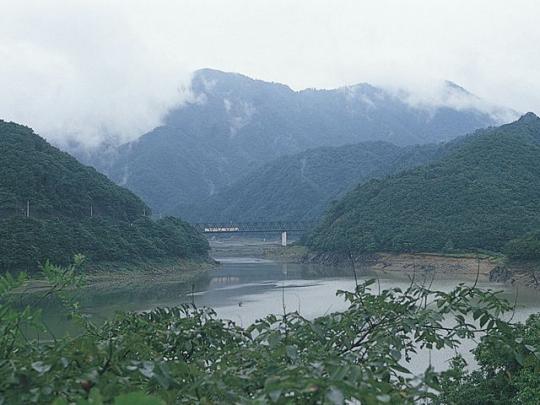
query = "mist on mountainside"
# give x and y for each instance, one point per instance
(236, 124)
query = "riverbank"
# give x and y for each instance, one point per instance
(464, 266)
(111, 287)
(125, 276)
(519, 273)
(182, 269)
(448, 265)
(288, 254)
(452, 265)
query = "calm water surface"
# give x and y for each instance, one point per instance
(244, 289)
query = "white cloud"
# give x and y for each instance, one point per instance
(86, 70)
(80, 73)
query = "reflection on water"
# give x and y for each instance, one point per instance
(245, 289)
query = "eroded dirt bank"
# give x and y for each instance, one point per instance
(452, 265)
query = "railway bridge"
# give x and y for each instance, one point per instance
(251, 227)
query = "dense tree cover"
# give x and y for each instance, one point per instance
(526, 247)
(54, 183)
(74, 209)
(301, 186)
(27, 242)
(508, 372)
(187, 355)
(482, 194)
(234, 124)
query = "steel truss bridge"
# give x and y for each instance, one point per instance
(240, 227)
(260, 227)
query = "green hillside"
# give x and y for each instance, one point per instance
(74, 209)
(302, 186)
(482, 194)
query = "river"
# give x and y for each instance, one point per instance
(244, 289)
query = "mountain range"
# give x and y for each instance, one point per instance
(234, 124)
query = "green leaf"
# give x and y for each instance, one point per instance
(383, 398)
(147, 369)
(41, 367)
(335, 396)
(483, 320)
(519, 357)
(274, 395)
(137, 398)
(274, 339)
(400, 368)
(95, 397)
(292, 352)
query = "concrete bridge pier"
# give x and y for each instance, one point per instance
(284, 238)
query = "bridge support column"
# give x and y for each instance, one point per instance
(284, 238)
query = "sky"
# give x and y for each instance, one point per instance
(108, 71)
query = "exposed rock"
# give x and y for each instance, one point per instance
(500, 274)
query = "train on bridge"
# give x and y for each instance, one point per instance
(260, 227)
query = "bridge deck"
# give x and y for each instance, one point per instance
(241, 227)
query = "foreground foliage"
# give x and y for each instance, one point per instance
(509, 372)
(187, 355)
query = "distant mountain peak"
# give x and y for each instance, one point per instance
(215, 73)
(229, 80)
(454, 86)
(528, 118)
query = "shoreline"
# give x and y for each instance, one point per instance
(494, 268)
(115, 276)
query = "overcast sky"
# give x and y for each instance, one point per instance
(94, 69)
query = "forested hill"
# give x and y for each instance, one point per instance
(52, 207)
(56, 184)
(234, 124)
(301, 186)
(483, 194)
